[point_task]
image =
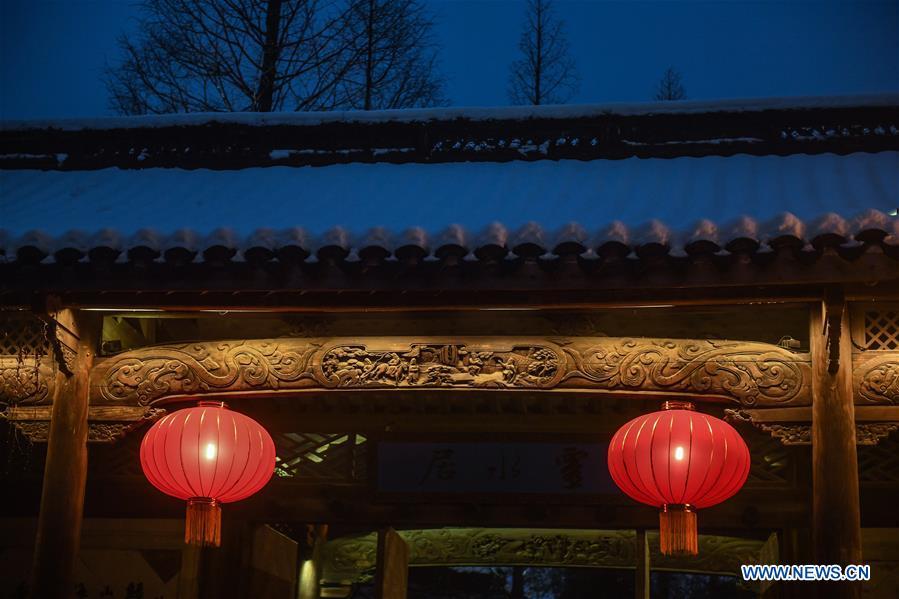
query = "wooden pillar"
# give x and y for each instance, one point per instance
(65, 471)
(794, 547)
(189, 576)
(310, 567)
(392, 565)
(641, 569)
(836, 528)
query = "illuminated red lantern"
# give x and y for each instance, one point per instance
(678, 460)
(207, 455)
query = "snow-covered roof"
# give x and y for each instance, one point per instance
(666, 174)
(671, 202)
(469, 113)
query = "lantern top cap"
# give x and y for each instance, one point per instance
(678, 405)
(212, 404)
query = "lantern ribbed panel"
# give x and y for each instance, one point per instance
(208, 451)
(678, 457)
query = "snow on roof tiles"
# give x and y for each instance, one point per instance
(668, 203)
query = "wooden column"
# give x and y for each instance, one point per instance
(641, 569)
(794, 547)
(65, 471)
(189, 576)
(392, 566)
(310, 566)
(836, 528)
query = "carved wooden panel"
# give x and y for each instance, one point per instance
(876, 377)
(26, 366)
(352, 558)
(747, 373)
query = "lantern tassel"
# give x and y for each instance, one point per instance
(204, 522)
(677, 530)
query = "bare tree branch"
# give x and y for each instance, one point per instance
(670, 86)
(545, 74)
(392, 54)
(214, 55)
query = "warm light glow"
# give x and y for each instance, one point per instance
(210, 451)
(308, 586)
(679, 453)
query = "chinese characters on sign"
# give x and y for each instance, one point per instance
(490, 467)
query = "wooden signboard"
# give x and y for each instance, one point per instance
(493, 467)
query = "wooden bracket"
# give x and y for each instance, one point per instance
(834, 305)
(60, 333)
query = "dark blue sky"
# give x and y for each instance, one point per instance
(53, 52)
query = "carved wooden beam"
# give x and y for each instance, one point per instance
(746, 373)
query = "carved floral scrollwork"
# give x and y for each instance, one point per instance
(790, 434)
(872, 433)
(442, 365)
(749, 372)
(37, 431)
(205, 367)
(109, 431)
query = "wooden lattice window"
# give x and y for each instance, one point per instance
(876, 328)
(879, 464)
(771, 462)
(882, 329)
(23, 335)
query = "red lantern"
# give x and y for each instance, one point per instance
(207, 455)
(679, 461)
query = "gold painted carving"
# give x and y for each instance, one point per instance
(747, 373)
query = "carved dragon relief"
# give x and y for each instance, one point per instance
(877, 378)
(746, 373)
(143, 376)
(750, 373)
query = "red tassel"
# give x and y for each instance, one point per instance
(677, 530)
(204, 522)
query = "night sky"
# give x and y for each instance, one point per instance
(53, 52)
